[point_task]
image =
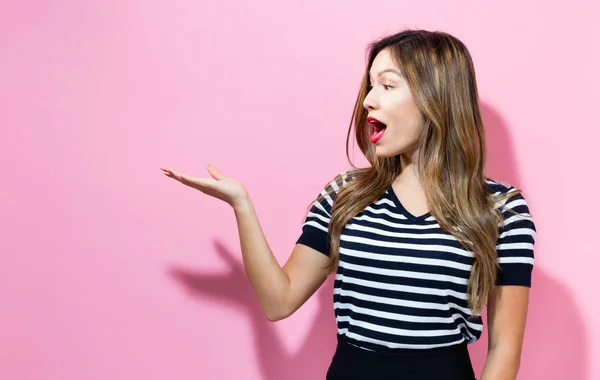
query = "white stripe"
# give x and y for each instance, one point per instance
(317, 225)
(403, 288)
(515, 203)
(404, 259)
(320, 207)
(415, 247)
(397, 331)
(401, 302)
(518, 231)
(404, 317)
(384, 201)
(327, 198)
(360, 227)
(394, 345)
(515, 218)
(385, 211)
(406, 274)
(318, 216)
(507, 246)
(493, 182)
(502, 202)
(516, 260)
(397, 225)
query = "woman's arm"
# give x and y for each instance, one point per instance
(506, 316)
(280, 291)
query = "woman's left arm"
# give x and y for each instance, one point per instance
(506, 316)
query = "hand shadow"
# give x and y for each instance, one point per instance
(309, 362)
(555, 339)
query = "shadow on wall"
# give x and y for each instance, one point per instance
(555, 340)
(313, 357)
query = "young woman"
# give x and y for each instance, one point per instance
(419, 241)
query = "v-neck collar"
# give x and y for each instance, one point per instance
(404, 211)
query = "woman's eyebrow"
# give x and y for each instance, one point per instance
(388, 71)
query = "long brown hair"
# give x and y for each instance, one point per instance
(451, 153)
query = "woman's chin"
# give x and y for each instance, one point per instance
(387, 151)
(382, 152)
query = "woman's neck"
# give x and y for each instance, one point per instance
(409, 173)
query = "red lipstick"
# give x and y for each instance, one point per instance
(378, 129)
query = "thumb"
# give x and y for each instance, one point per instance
(214, 172)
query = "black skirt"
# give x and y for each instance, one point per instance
(447, 363)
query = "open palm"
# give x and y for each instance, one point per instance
(218, 186)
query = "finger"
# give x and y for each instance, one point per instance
(202, 184)
(176, 175)
(167, 172)
(214, 172)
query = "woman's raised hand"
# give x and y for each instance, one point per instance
(218, 186)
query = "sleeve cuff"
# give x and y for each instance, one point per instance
(315, 239)
(515, 274)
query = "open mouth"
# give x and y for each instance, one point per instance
(378, 129)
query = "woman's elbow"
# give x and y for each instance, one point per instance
(275, 314)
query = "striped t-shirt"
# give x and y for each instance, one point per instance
(402, 281)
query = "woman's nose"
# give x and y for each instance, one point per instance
(370, 102)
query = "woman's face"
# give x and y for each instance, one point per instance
(394, 121)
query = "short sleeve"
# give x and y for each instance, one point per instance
(515, 243)
(315, 229)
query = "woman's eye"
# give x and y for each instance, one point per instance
(385, 87)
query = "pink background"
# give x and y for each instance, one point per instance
(109, 270)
